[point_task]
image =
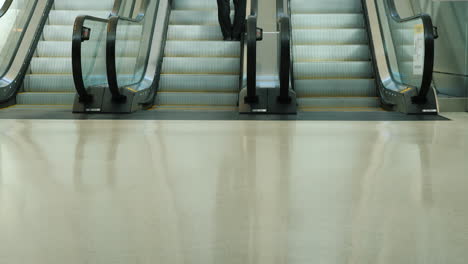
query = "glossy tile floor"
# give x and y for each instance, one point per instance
(215, 192)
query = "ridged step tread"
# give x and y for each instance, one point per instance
(45, 98)
(335, 53)
(202, 49)
(197, 5)
(207, 66)
(40, 65)
(64, 33)
(328, 88)
(194, 32)
(195, 17)
(64, 49)
(84, 5)
(328, 6)
(328, 70)
(185, 108)
(67, 17)
(329, 36)
(311, 21)
(338, 102)
(196, 99)
(218, 83)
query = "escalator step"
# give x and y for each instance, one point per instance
(64, 33)
(45, 98)
(304, 53)
(197, 99)
(329, 36)
(63, 49)
(200, 65)
(197, 5)
(83, 4)
(218, 83)
(339, 102)
(64, 65)
(49, 83)
(67, 17)
(326, 70)
(310, 21)
(330, 87)
(194, 32)
(202, 49)
(329, 6)
(195, 17)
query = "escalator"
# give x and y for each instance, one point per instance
(200, 70)
(353, 55)
(168, 55)
(332, 66)
(45, 79)
(182, 62)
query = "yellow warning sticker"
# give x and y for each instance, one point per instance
(418, 29)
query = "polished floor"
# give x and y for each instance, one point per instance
(234, 192)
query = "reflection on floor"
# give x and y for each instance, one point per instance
(233, 192)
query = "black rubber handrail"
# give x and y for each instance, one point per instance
(251, 28)
(111, 58)
(6, 5)
(429, 49)
(11, 79)
(284, 40)
(77, 40)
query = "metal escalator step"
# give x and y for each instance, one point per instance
(45, 98)
(171, 108)
(205, 66)
(327, 70)
(338, 102)
(191, 4)
(218, 83)
(304, 53)
(331, 87)
(329, 36)
(202, 49)
(64, 33)
(67, 17)
(308, 21)
(194, 32)
(63, 49)
(60, 65)
(195, 17)
(196, 99)
(329, 6)
(83, 4)
(49, 83)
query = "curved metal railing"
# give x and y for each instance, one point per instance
(251, 40)
(20, 45)
(6, 5)
(82, 33)
(284, 52)
(111, 48)
(428, 56)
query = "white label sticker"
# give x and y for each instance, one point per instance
(418, 58)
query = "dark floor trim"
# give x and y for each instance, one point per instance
(61, 114)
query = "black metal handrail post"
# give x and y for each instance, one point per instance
(251, 29)
(6, 5)
(111, 58)
(284, 52)
(77, 40)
